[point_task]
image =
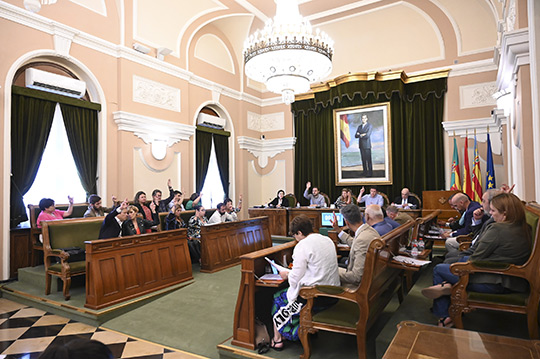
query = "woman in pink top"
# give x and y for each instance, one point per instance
(50, 213)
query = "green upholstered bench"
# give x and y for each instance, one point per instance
(524, 303)
(358, 308)
(61, 234)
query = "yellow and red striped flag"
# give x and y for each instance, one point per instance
(467, 188)
(455, 183)
(344, 127)
(477, 175)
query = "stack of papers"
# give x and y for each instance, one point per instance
(411, 261)
(277, 266)
(271, 276)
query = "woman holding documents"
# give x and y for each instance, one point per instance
(314, 263)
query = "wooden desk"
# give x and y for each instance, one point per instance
(415, 340)
(278, 219)
(255, 298)
(122, 268)
(222, 244)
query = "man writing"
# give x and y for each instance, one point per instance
(405, 201)
(363, 133)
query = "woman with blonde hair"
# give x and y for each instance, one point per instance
(507, 240)
(135, 224)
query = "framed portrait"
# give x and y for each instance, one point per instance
(362, 143)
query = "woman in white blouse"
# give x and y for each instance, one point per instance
(314, 263)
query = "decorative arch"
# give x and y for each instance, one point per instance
(96, 94)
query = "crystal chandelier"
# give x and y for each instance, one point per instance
(286, 54)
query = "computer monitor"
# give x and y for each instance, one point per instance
(327, 218)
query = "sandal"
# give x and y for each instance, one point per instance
(446, 322)
(437, 291)
(275, 346)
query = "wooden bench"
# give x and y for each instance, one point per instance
(185, 215)
(127, 267)
(524, 303)
(357, 309)
(66, 233)
(222, 244)
(78, 212)
(255, 296)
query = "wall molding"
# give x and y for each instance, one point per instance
(477, 95)
(266, 122)
(513, 53)
(265, 149)
(156, 94)
(159, 133)
(462, 128)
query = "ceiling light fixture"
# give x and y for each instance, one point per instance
(35, 5)
(286, 54)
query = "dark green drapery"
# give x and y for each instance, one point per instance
(416, 111)
(221, 144)
(82, 133)
(31, 121)
(203, 148)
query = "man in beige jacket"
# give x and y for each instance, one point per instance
(363, 235)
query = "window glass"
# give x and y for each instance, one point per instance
(212, 190)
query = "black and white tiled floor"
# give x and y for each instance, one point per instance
(25, 332)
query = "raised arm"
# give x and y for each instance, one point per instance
(70, 208)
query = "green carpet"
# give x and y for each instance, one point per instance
(194, 319)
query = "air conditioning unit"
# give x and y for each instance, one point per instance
(210, 121)
(47, 81)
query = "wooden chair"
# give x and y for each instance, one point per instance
(292, 199)
(61, 234)
(385, 198)
(417, 198)
(326, 199)
(354, 199)
(524, 303)
(357, 309)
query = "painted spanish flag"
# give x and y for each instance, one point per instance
(477, 175)
(345, 133)
(455, 181)
(467, 188)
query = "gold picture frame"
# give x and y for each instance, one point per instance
(363, 152)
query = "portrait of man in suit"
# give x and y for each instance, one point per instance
(362, 145)
(363, 133)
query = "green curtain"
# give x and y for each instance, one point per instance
(31, 121)
(416, 113)
(203, 147)
(82, 132)
(221, 144)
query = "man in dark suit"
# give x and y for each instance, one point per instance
(112, 224)
(363, 133)
(463, 203)
(406, 201)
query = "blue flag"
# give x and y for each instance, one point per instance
(490, 171)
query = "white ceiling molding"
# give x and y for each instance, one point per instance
(514, 52)
(265, 149)
(480, 125)
(159, 133)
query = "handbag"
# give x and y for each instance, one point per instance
(262, 338)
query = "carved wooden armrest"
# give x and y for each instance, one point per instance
(57, 253)
(327, 291)
(464, 238)
(464, 246)
(470, 267)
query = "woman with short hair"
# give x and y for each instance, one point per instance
(137, 225)
(49, 211)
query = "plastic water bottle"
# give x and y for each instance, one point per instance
(414, 250)
(297, 204)
(421, 245)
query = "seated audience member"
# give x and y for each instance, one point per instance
(194, 200)
(178, 199)
(162, 205)
(375, 218)
(314, 263)
(507, 240)
(405, 201)
(480, 225)
(218, 215)
(280, 201)
(462, 203)
(112, 224)
(400, 217)
(194, 233)
(50, 213)
(231, 210)
(95, 208)
(78, 349)
(457, 222)
(137, 225)
(363, 235)
(344, 199)
(315, 198)
(389, 220)
(372, 198)
(140, 203)
(173, 219)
